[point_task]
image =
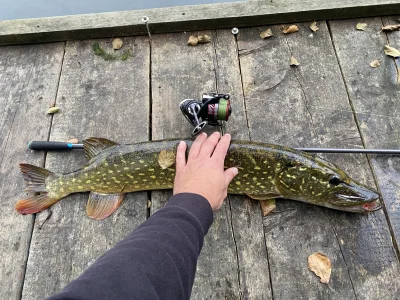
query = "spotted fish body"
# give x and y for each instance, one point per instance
(265, 171)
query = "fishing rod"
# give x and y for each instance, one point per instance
(60, 146)
(213, 109)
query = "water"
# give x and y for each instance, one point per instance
(22, 9)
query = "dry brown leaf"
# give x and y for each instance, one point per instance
(73, 141)
(390, 51)
(314, 27)
(361, 26)
(193, 40)
(202, 39)
(291, 29)
(320, 264)
(166, 158)
(266, 33)
(293, 61)
(117, 44)
(391, 27)
(53, 110)
(375, 63)
(267, 206)
(148, 203)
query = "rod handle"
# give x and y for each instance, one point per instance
(45, 145)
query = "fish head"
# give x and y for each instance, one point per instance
(322, 183)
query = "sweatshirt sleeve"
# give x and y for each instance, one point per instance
(156, 261)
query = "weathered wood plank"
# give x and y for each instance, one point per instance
(245, 213)
(186, 18)
(97, 98)
(308, 106)
(28, 83)
(180, 72)
(374, 94)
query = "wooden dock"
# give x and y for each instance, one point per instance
(334, 98)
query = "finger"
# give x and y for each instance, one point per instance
(209, 145)
(181, 156)
(222, 148)
(196, 146)
(230, 174)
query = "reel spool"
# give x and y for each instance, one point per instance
(214, 109)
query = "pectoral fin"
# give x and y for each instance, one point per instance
(100, 206)
(94, 146)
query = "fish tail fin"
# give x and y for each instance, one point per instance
(35, 181)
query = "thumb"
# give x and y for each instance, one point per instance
(230, 174)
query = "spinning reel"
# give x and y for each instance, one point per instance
(214, 109)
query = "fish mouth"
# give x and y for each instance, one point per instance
(360, 203)
(363, 208)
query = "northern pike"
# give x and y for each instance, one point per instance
(265, 171)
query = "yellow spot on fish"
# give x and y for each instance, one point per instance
(86, 174)
(302, 169)
(237, 182)
(320, 194)
(247, 183)
(245, 175)
(110, 171)
(142, 174)
(88, 181)
(263, 187)
(115, 165)
(313, 192)
(126, 168)
(130, 176)
(92, 187)
(153, 177)
(254, 179)
(124, 161)
(144, 180)
(106, 163)
(80, 187)
(132, 162)
(313, 178)
(79, 180)
(291, 176)
(293, 190)
(135, 181)
(98, 179)
(257, 168)
(98, 172)
(151, 170)
(141, 161)
(137, 168)
(247, 189)
(265, 172)
(62, 190)
(258, 183)
(73, 179)
(60, 182)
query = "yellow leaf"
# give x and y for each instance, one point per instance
(291, 29)
(361, 26)
(390, 51)
(203, 39)
(314, 27)
(267, 206)
(73, 141)
(117, 44)
(320, 264)
(53, 110)
(375, 63)
(166, 158)
(266, 33)
(193, 40)
(391, 27)
(293, 61)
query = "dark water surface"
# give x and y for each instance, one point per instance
(22, 9)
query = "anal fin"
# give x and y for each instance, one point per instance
(100, 206)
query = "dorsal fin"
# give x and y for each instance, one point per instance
(94, 146)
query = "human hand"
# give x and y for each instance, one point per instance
(204, 173)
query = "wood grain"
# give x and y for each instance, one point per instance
(308, 106)
(100, 98)
(187, 18)
(374, 94)
(28, 83)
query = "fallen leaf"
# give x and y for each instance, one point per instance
(375, 63)
(361, 26)
(314, 27)
(291, 29)
(266, 33)
(193, 40)
(73, 141)
(148, 203)
(166, 158)
(293, 61)
(53, 110)
(320, 264)
(117, 44)
(267, 206)
(390, 51)
(202, 39)
(391, 27)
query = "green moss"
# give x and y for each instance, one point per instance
(99, 51)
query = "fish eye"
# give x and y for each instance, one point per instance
(334, 180)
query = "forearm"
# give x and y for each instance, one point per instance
(157, 260)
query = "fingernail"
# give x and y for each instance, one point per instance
(181, 143)
(235, 171)
(203, 133)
